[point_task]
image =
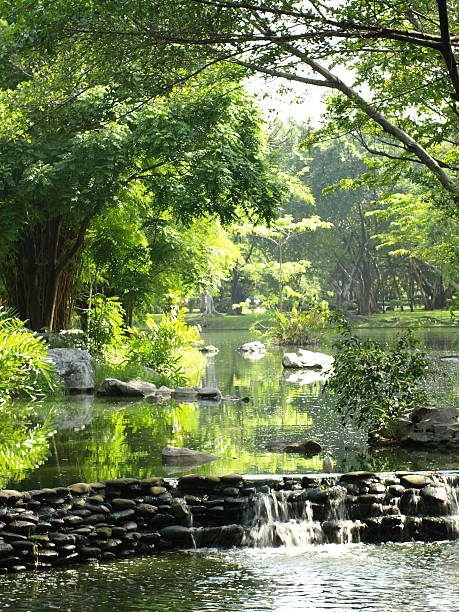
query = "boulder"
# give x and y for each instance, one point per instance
(426, 426)
(185, 393)
(308, 360)
(182, 456)
(162, 394)
(210, 393)
(112, 387)
(209, 349)
(253, 350)
(75, 367)
(308, 447)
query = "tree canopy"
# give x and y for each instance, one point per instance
(392, 66)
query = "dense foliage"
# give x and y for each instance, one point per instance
(372, 382)
(160, 346)
(303, 325)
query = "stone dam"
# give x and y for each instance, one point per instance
(47, 528)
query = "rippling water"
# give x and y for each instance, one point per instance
(389, 577)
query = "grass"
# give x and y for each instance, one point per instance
(391, 319)
(421, 317)
(226, 322)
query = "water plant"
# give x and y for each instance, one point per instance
(160, 345)
(374, 382)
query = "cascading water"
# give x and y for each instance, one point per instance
(452, 502)
(286, 518)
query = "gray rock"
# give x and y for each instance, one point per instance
(436, 494)
(177, 455)
(210, 393)
(185, 393)
(415, 481)
(178, 535)
(75, 367)
(162, 394)
(112, 387)
(308, 447)
(253, 350)
(308, 360)
(209, 349)
(427, 426)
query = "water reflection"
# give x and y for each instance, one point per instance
(106, 439)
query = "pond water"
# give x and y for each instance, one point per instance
(95, 440)
(391, 577)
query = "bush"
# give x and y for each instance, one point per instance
(105, 327)
(374, 383)
(303, 325)
(25, 368)
(159, 346)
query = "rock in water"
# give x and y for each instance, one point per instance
(112, 387)
(307, 360)
(209, 349)
(425, 427)
(181, 456)
(308, 447)
(253, 350)
(185, 393)
(75, 367)
(210, 393)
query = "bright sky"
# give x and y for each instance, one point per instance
(301, 103)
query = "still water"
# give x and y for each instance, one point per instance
(96, 440)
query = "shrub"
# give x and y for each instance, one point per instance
(25, 368)
(373, 382)
(159, 346)
(303, 325)
(105, 326)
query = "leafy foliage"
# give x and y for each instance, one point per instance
(159, 346)
(105, 332)
(303, 325)
(373, 382)
(24, 364)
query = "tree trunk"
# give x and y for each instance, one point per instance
(209, 305)
(39, 278)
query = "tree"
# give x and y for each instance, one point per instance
(279, 234)
(404, 54)
(195, 153)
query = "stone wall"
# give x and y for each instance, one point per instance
(48, 528)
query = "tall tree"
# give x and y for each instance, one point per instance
(403, 54)
(197, 152)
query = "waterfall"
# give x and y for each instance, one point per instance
(286, 518)
(451, 485)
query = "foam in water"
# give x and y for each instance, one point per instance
(286, 519)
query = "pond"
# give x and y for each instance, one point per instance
(96, 440)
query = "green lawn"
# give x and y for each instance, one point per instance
(227, 321)
(426, 318)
